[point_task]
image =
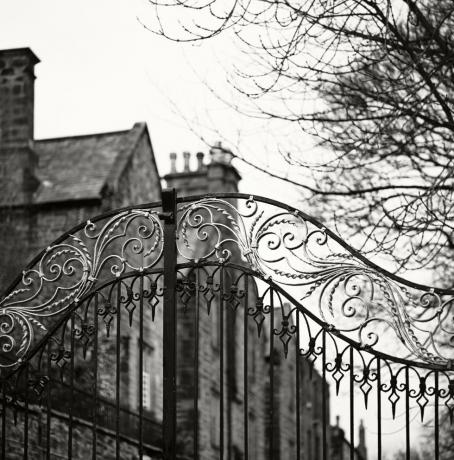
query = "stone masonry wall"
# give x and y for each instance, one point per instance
(82, 438)
(138, 183)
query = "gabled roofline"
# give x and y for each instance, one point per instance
(21, 51)
(78, 136)
(153, 158)
(122, 161)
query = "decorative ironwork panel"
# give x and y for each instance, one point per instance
(130, 240)
(342, 288)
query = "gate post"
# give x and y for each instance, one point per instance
(169, 214)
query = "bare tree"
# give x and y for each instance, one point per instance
(373, 81)
(401, 455)
(445, 437)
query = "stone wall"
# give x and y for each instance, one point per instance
(41, 438)
(138, 182)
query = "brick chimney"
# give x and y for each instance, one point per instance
(217, 175)
(17, 158)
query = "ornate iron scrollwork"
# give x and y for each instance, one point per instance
(67, 270)
(345, 291)
(348, 294)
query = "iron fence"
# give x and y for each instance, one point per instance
(225, 327)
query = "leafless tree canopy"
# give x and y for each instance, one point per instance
(373, 81)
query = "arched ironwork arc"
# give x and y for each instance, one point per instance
(291, 209)
(332, 331)
(72, 266)
(73, 306)
(296, 250)
(338, 272)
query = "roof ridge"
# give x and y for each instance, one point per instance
(78, 136)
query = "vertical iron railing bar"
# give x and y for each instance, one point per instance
(352, 406)
(437, 427)
(196, 365)
(221, 362)
(271, 376)
(229, 370)
(71, 388)
(169, 215)
(118, 373)
(27, 368)
(4, 419)
(141, 345)
(407, 414)
(48, 400)
(378, 409)
(245, 369)
(324, 396)
(297, 387)
(95, 379)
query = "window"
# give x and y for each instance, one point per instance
(146, 389)
(156, 385)
(317, 446)
(215, 328)
(215, 419)
(145, 381)
(309, 444)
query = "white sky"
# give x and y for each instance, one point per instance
(101, 71)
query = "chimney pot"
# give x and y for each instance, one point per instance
(186, 157)
(199, 156)
(173, 162)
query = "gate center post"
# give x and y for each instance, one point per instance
(169, 216)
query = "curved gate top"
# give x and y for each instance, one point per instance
(221, 326)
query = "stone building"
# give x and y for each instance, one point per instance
(47, 186)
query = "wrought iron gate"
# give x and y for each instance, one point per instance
(224, 326)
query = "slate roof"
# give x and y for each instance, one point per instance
(78, 167)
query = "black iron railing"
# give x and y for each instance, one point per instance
(246, 321)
